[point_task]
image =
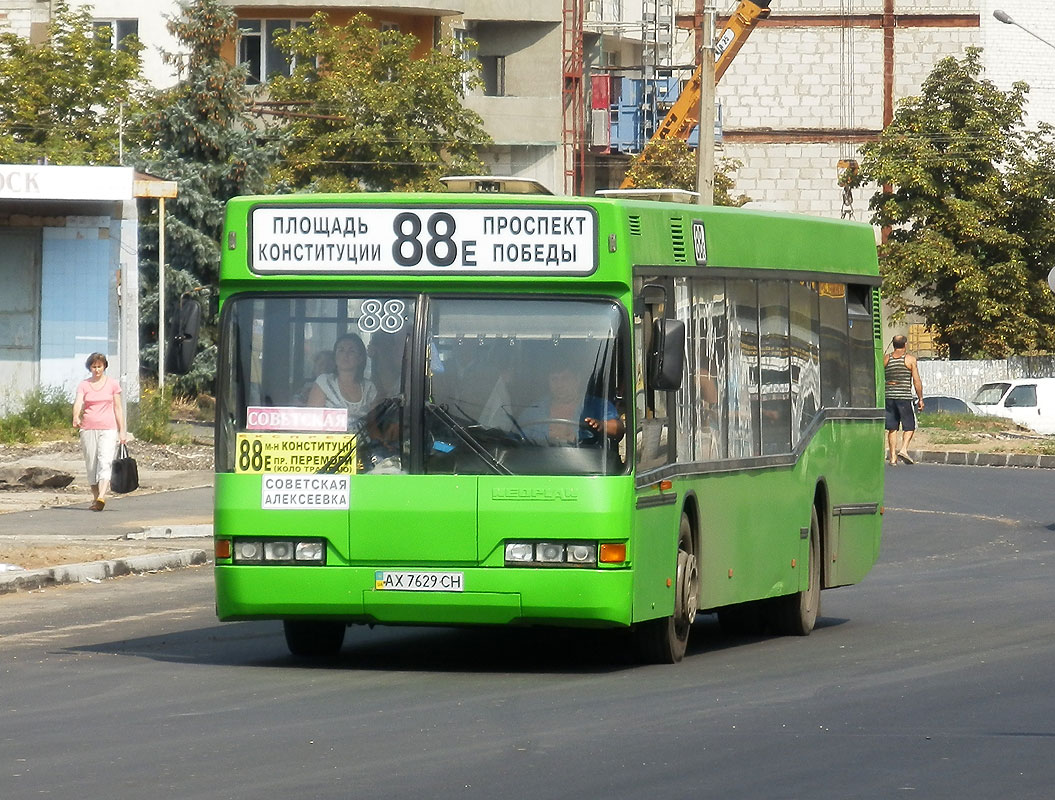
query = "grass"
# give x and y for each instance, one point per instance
(964, 423)
(46, 414)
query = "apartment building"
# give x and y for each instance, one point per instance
(815, 80)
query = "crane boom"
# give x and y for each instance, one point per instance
(684, 115)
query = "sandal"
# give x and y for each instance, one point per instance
(906, 458)
(95, 506)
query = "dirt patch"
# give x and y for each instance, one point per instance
(149, 456)
(45, 555)
(996, 441)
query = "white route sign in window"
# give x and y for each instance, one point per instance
(560, 240)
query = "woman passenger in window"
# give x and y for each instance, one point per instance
(346, 387)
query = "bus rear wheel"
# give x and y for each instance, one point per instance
(309, 638)
(796, 614)
(664, 640)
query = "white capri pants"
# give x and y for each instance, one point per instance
(98, 447)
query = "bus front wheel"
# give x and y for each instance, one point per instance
(664, 640)
(796, 614)
(308, 638)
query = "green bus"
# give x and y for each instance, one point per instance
(512, 409)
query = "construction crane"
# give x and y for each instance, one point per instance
(684, 115)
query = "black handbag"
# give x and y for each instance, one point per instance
(124, 475)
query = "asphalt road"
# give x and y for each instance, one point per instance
(933, 679)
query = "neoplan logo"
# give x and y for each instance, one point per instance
(699, 242)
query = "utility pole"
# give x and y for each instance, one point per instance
(705, 127)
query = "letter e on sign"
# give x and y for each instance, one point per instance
(699, 242)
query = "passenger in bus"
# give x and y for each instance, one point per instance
(567, 414)
(386, 362)
(320, 365)
(346, 387)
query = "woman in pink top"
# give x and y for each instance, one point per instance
(98, 413)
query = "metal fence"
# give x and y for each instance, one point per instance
(962, 378)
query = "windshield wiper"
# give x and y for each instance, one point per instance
(337, 462)
(360, 435)
(466, 438)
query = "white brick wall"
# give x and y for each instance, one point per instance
(19, 15)
(789, 78)
(917, 50)
(1012, 55)
(802, 178)
(794, 78)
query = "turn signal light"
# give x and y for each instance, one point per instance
(612, 553)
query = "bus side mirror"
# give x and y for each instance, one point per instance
(667, 356)
(184, 343)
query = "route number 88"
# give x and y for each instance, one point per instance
(385, 316)
(441, 249)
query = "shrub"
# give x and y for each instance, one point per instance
(46, 412)
(155, 411)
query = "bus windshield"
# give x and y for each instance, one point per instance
(486, 386)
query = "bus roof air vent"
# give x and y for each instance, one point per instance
(492, 184)
(677, 239)
(634, 221)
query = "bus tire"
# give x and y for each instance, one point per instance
(664, 640)
(311, 638)
(796, 614)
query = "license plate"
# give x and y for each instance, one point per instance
(420, 581)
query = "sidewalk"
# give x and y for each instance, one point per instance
(49, 537)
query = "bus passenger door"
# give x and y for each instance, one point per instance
(657, 511)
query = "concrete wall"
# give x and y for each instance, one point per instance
(963, 378)
(514, 10)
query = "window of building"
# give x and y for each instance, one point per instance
(257, 49)
(116, 30)
(493, 73)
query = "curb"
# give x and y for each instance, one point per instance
(973, 459)
(96, 571)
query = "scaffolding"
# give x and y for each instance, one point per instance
(573, 100)
(657, 51)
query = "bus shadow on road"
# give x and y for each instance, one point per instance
(447, 650)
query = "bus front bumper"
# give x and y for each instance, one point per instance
(488, 596)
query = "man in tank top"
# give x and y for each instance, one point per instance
(902, 376)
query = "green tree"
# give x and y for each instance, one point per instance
(64, 99)
(199, 134)
(966, 197)
(361, 112)
(671, 164)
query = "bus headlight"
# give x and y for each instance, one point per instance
(579, 554)
(582, 553)
(278, 551)
(520, 552)
(314, 551)
(248, 551)
(549, 552)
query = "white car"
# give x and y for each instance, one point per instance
(1030, 402)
